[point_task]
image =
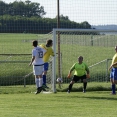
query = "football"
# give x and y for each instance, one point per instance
(59, 80)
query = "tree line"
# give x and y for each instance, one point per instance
(28, 17)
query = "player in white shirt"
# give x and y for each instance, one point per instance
(38, 64)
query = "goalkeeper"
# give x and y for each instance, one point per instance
(50, 52)
(81, 73)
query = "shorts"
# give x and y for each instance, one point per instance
(46, 66)
(113, 73)
(38, 70)
(77, 78)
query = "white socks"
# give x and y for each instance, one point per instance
(38, 82)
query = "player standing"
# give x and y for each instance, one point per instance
(113, 73)
(38, 63)
(81, 73)
(49, 52)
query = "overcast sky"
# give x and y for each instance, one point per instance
(96, 12)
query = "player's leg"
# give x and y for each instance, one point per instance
(46, 65)
(84, 83)
(112, 86)
(113, 79)
(38, 77)
(74, 79)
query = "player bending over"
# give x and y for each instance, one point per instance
(81, 73)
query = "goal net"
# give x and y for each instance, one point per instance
(96, 46)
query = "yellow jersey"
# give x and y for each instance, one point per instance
(114, 60)
(49, 52)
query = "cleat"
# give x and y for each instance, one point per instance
(46, 87)
(68, 91)
(113, 93)
(39, 89)
(84, 91)
(43, 88)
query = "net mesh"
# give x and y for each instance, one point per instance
(96, 46)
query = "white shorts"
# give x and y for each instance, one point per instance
(38, 70)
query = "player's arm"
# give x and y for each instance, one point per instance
(70, 71)
(52, 52)
(112, 65)
(32, 59)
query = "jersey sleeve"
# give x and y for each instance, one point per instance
(43, 46)
(73, 67)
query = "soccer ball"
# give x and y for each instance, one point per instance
(59, 80)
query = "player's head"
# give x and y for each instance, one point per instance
(116, 48)
(80, 59)
(49, 42)
(35, 43)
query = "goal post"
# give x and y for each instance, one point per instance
(54, 63)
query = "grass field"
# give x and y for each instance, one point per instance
(61, 104)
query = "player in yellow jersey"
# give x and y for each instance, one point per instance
(81, 73)
(113, 73)
(50, 52)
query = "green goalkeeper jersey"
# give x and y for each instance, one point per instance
(80, 69)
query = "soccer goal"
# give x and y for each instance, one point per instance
(94, 45)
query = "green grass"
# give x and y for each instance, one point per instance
(20, 101)
(77, 87)
(61, 104)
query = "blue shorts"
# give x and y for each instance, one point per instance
(113, 73)
(46, 66)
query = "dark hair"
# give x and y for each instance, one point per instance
(49, 42)
(35, 43)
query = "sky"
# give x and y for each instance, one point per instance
(95, 12)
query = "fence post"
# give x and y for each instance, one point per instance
(91, 40)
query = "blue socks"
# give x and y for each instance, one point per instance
(44, 79)
(113, 88)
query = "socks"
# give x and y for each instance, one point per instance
(70, 87)
(37, 82)
(113, 88)
(44, 79)
(40, 82)
(84, 85)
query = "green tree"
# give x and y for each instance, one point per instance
(21, 8)
(63, 17)
(3, 7)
